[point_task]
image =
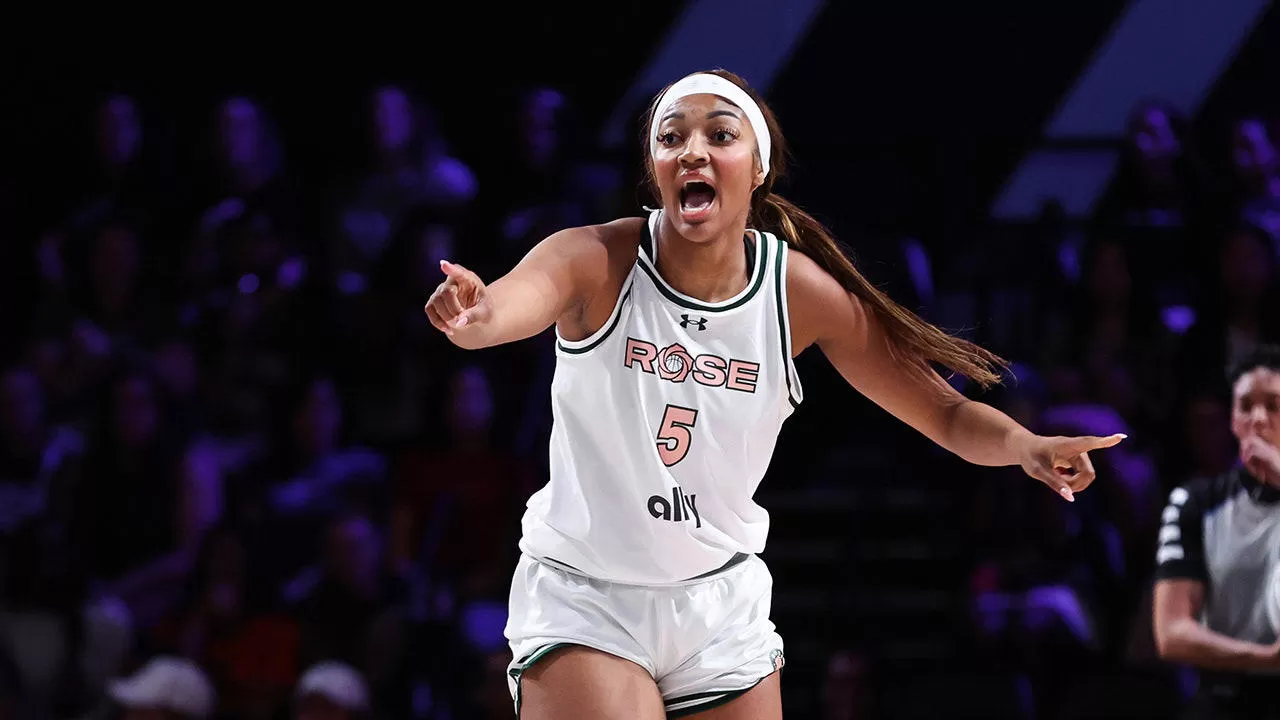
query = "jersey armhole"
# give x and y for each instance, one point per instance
(795, 392)
(649, 238)
(589, 343)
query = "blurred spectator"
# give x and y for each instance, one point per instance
(64, 644)
(316, 472)
(1242, 311)
(1159, 178)
(39, 460)
(847, 689)
(458, 503)
(307, 474)
(255, 232)
(532, 194)
(1256, 166)
(352, 608)
(227, 620)
(111, 291)
(1043, 592)
(396, 366)
(124, 181)
(332, 691)
(1206, 448)
(1113, 348)
(409, 167)
(153, 589)
(131, 477)
(176, 364)
(166, 688)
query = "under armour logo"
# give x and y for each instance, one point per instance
(686, 322)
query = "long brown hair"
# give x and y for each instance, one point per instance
(911, 338)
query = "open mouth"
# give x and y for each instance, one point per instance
(696, 195)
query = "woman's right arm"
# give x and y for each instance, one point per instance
(559, 274)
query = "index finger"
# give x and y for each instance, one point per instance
(457, 273)
(1078, 445)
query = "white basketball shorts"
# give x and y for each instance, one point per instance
(704, 642)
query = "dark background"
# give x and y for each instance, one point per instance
(904, 120)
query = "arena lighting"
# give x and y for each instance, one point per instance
(688, 47)
(1174, 50)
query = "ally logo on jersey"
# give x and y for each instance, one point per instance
(680, 507)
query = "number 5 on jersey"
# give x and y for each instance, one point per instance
(674, 436)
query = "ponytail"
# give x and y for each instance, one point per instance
(911, 339)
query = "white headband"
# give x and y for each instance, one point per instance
(705, 83)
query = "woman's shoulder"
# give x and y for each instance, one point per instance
(622, 233)
(613, 243)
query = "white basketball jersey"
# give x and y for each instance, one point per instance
(665, 421)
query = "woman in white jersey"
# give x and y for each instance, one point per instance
(639, 594)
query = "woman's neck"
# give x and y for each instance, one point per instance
(709, 271)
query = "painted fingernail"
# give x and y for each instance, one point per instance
(1066, 493)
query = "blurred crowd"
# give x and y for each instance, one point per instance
(1126, 324)
(233, 452)
(227, 433)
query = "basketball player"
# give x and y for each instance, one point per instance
(640, 594)
(1219, 551)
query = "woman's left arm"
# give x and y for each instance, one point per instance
(824, 313)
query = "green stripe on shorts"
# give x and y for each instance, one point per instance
(690, 704)
(527, 662)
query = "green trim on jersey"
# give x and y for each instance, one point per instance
(649, 263)
(687, 302)
(784, 323)
(613, 324)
